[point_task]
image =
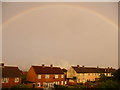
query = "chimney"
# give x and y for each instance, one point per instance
(2, 65)
(43, 65)
(97, 66)
(51, 65)
(77, 65)
(83, 66)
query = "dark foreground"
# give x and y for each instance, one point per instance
(62, 89)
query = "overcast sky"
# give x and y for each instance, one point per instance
(62, 34)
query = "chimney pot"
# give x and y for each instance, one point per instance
(43, 65)
(51, 65)
(2, 64)
(83, 66)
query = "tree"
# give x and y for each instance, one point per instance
(102, 77)
(116, 75)
(75, 79)
(20, 86)
(24, 79)
(109, 84)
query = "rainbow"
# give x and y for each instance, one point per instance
(21, 14)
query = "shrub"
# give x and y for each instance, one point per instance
(20, 86)
(109, 84)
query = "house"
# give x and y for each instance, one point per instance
(83, 74)
(45, 76)
(11, 76)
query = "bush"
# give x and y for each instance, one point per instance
(20, 86)
(109, 84)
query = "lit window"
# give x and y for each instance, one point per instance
(46, 76)
(61, 82)
(5, 80)
(16, 80)
(58, 83)
(38, 85)
(109, 74)
(83, 74)
(39, 76)
(56, 76)
(62, 76)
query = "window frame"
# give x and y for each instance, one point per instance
(5, 80)
(16, 79)
(39, 76)
(47, 76)
(56, 76)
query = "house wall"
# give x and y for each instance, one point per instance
(51, 79)
(31, 75)
(71, 73)
(83, 77)
(11, 82)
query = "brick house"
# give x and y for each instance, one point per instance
(10, 76)
(84, 74)
(45, 76)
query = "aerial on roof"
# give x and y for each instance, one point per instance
(47, 70)
(92, 69)
(9, 71)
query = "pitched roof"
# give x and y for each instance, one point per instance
(8, 71)
(47, 70)
(92, 70)
(64, 70)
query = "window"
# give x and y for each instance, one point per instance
(83, 74)
(61, 82)
(39, 76)
(65, 82)
(56, 76)
(38, 85)
(16, 80)
(109, 74)
(46, 76)
(5, 80)
(62, 76)
(58, 83)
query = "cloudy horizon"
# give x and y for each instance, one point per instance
(62, 34)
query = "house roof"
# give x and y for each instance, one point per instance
(64, 70)
(8, 71)
(47, 70)
(92, 70)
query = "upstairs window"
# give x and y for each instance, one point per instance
(46, 76)
(62, 76)
(56, 76)
(16, 80)
(5, 80)
(39, 76)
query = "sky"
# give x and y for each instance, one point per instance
(62, 34)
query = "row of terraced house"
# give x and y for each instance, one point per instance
(47, 76)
